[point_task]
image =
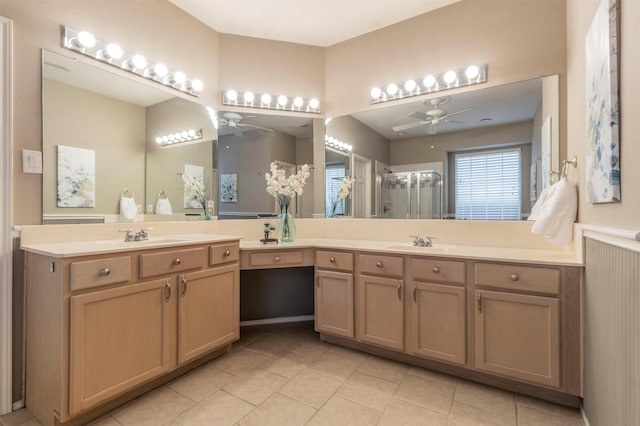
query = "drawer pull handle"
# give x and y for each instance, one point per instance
(276, 259)
(379, 264)
(415, 290)
(480, 302)
(436, 270)
(183, 281)
(332, 259)
(167, 288)
(227, 253)
(104, 272)
(514, 277)
(177, 261)
(398, 289)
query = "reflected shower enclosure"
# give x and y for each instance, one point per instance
(410, 195)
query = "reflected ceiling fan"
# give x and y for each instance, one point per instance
(433, 117)
(234, 121)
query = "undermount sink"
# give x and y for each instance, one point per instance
(419, 249)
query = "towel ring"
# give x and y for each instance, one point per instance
(566, 163)
(126, 193)
(162, 195)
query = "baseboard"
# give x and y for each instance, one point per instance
(276, 320)
(584, 416)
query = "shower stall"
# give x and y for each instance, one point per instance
(410, 195)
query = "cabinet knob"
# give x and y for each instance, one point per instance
(379, 264)
(436, 270)
(332, 259)
(276, 259)
(227, 253)
(177, 261)
(104, 272)
(515, 277)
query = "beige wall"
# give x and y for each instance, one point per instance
(115, 130)
(579, 17)
(157, 28)
(519, 40)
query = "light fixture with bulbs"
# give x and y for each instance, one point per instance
(179, 137)
(111, 53)
(332, 142)
(268, 101)
(473, 74)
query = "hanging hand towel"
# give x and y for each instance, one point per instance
(128, 209)
(556, 216)
(163, 206)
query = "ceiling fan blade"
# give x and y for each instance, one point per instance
(255, 127)
(408, 126)
(419, 116)
(473, 123)
(456, 113)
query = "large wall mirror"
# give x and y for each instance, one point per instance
(480, 154)
(99, 139)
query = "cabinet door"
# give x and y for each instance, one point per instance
(208, 311)
(438, 322)
(518, 336)
(380, 311)
(334, 303)
(119, 338)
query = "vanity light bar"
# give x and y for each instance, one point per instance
(267, 101)
(111, 53)
(332, 142)
(179, 137)
(473, 74)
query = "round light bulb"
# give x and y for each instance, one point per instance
(184, 134)
(171, 137)
(410, 85)
(177, 135)
(160, 70)
(314, 103)
(197, 85)
(232, 95)
(86, 39)
(376, 93)
(392, 89)
(282, 100)
(139, 62)
(179, 77)
(349, 147)
(429, 81)
(114, 51)
(249, 97)
(158, 139)
(472, 72)
(450, 77)
(165, 139)
(298, 102)
(191, 133)
(266, 99)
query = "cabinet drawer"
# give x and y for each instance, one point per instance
(516, 277)
(381, 265)
(438, 270)
(271, 258)
(334, 260)
(96, 273)
(170, 262)
(224, 253)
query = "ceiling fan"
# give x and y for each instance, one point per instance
(433, 117)
(234, 121)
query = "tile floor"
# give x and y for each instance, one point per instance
(284, 375)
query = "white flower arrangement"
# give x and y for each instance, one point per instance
(343, 192)
(195, 190)
(279, 185)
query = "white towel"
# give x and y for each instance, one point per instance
(538, 206)
(163, 206)
(128, 209)
(556, 215)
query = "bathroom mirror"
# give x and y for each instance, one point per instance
(99, 138)
(248, 143)
(513, 122)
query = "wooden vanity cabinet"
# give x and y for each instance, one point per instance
(380, 300)
(437, 310)
(334, 308)
(99, 326)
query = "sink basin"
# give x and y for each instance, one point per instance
(418, 249)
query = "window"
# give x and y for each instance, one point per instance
(488, 185)
(333, 178)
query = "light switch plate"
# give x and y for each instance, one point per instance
(31, 161)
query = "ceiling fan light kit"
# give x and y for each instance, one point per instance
(268, 101)
(471, 75)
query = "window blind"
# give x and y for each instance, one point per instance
(488, 185)
(333, 178)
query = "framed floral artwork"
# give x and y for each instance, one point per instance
(603, 112)
(229, 188)
(194, 189)
(76, 177)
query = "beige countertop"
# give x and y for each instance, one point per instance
(85, 248)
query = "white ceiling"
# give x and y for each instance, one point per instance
(313, 22)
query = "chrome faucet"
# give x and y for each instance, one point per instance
(422, 242)
(141, 235)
